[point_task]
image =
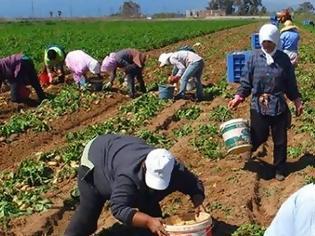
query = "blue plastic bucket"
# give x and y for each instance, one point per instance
(166, 91)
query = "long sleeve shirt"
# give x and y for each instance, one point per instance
(10, 67)
(290, 40)
(78, 63)
(182, 59)
(121, 159)
(274, 81)
(296, 216)
(126, 58)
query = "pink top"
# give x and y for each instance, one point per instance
(78, 63)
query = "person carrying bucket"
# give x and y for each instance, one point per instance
(79, 63)
(296, 215)
(18, 70)
(132, 62)
(187, 65)
(290, 38)
(134, 177)
(54, 59)
(269, 76)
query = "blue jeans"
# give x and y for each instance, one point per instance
(193, 70)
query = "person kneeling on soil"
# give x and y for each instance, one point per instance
(296, 216)
(18, 71)
(132, 62)
(134, 177)
(269, 76)
(54, 60)
(79, 63)
(186, 64)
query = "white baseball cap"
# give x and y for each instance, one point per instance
(159, 166)
(163, 59)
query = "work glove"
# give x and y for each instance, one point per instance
(235, 102)
(298, 107)
(173, 79)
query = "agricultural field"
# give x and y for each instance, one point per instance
(40, 147)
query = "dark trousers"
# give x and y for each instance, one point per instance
(84, 221)
(260, 126)
(26, 76)
(134, 72)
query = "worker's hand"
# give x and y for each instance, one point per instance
(173, 79)
(235, 102)
(155, 225)
(298, 107)
(108, 85)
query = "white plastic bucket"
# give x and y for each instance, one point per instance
(202, 228)
(236, 135)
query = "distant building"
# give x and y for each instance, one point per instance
(204, 13)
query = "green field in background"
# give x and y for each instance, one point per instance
(98, 38)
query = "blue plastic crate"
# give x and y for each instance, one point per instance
(236, 62)
(306, 22)
(255, 41)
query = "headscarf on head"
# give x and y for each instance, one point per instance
(271, 33)
(109, 63)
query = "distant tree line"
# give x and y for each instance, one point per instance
(238, 7)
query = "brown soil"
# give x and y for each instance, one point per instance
(237, 191)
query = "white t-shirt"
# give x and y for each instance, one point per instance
(296, 216)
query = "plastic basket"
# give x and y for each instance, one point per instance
(236, 62)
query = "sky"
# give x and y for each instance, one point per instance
(88, 8)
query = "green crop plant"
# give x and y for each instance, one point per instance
(183, 131)
(249, 230)
(189, 113)
(154, 139)
(221, 113)
(207, 129)
(21, 122)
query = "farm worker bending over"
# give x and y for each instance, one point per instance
(134, 176)
(296, 216)
(54, 59)
(186, 64)
(18, 71)
(132, 62)
(79, 63)
(290, 38)
(269, 76)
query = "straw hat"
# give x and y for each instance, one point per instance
(288, 25)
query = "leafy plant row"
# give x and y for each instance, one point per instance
(21, 191)
(68, 100)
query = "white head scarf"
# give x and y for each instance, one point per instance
(271, 33)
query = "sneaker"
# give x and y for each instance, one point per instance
(279, 176)
(178, 96)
